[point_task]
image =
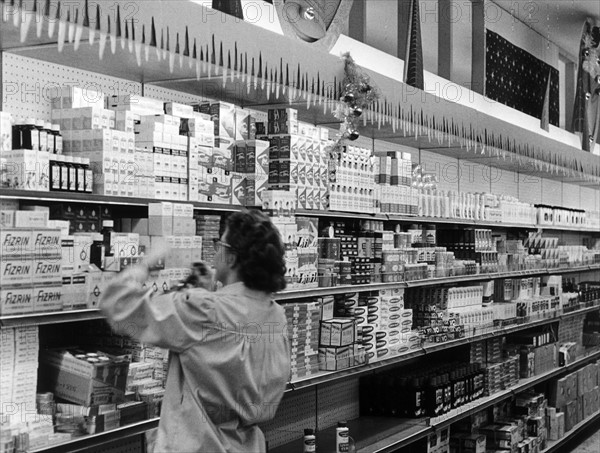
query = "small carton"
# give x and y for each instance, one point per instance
(337, 332)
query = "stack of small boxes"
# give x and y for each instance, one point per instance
(18, 368)
(303, 333)
(575, 396)
(500, 372)
(207, 226)
(158, 135)
(251, 172)
(306, 240)
(90, 131)
(354, 186)
(439, 442)
(173, 224)
(30, 260)
(393, 176)
(397, 322)
(298, 158)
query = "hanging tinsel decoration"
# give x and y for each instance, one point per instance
(591, 57)
(357, 95)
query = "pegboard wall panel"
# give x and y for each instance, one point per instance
(133, 444)
(529, 188)
(474, 177)
(444, 167)
(589, 199)
(568, 237)
(168, 95)
(504, 182)
(337, 401)
(571, 329)
(297, 410)
(571, 196)
(29, 84)
(552, 192)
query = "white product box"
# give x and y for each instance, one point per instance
(46, 271)
(179, 110)
(5, 131)
(16, 271)
(46, 242)
(14, 301)
(47, 298)
(71, 97)
(27, 170)
(31, 219)
(16, 242)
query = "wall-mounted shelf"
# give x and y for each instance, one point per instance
(386, 435)
(59, 317)
(65, 197)
(232, 67)
(85, 443)
(428, 348)
(556, 445)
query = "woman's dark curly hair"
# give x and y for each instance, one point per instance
(259, 249)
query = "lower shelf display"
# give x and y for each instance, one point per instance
(376, 434)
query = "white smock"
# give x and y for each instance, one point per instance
(229, 361)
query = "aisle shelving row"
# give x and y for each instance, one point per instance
(373, 434)
(384, 435)
(92, 314)
(200, 77)
(430, 348)
(556, 445)
(94, 440)
(211, 71)
(41, 196)
(326, 376)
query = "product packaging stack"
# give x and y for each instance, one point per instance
(396, 323)
(298, 158)
(19, 371)
(303, 333)
(393, 191)
(30, 260)
(25, 152)
(207, 226)
(341, 341)
(89, 131)
(444, 314)
(354, 186)
(173, 224)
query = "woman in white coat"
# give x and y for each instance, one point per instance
(229, 352)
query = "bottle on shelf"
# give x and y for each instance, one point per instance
(309, 443)
(55, 139)
(342, 441)
(64, 174)
(107, 230)
(56, 167)
(97, 251)
(79, 174)
(26, 135)
(89, 177)
(71, 171)
(46, 137)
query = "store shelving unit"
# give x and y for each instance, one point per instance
(61, 197)
(323, 376)
(200, 78)
(383, 434)
(85, 443)
(557, 445)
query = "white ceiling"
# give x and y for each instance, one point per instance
(562, 20)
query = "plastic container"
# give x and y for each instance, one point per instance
(342, 440)
(309, 443)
